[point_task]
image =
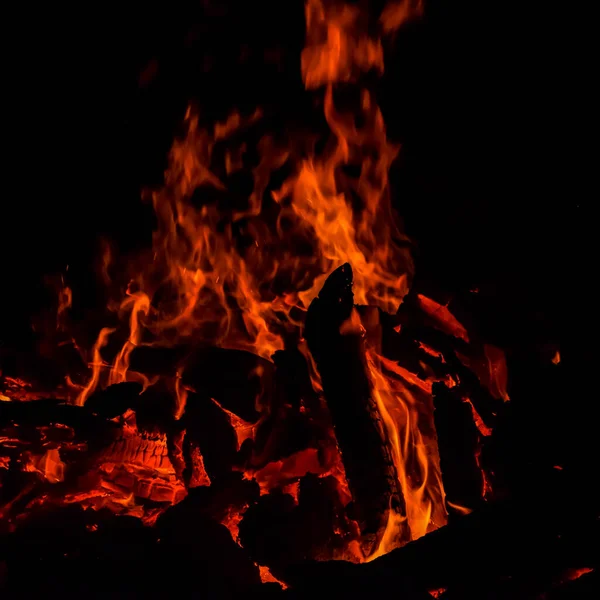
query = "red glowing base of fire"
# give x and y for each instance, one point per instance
(303, 478)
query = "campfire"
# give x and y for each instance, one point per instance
(269, 401)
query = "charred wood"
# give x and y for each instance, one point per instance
(358, 426)
(114, 400)
(518, 545)
(96, 554)
(278, 531)
(236, 379)
(208, 429)
(40, 413)
(296, 419)
(292, 379)
(458, 444)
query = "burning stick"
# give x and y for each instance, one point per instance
(359, 429)
(498, 551)
(459, 447)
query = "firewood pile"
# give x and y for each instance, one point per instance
(118, 496)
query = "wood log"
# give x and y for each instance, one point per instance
(114, 400)
(292, 379)
(516, 546)
(87, 426)
(238, 380)
(458, 445)
(207, 429)
(360, 432)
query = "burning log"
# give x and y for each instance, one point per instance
(499, 551)
(209, 432)
(108, 453)
(458, 444)
(188, 535)
(114, 400)
(293, 379)
(72, 547)
(32, 417)
(358, 426)
(280, 529)
(238, 380)
(296, 420)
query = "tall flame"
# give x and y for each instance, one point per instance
(233, 276)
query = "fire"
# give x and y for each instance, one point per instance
(417, 464)
(335, 47)
(483, 428)
(243, 429)
(241, 276)
(232, 521)
(267, 577)
(138, 304)
(49, 466)
(65, 301)
(396, 14)
(442, 318)
(202, 284)
(572, 574)
(287, 470)
(96, 364)
(338, 46)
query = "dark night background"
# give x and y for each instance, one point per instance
(483, 99)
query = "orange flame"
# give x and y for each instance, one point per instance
(65, 301)
(97, 364)
(335, 47)
(139, 304)
(338, 45)
(415, 457)
(463, 510)
(395, 14)
(233, 276)
(49, 466)
(210, 288)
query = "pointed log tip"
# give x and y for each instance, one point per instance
(338, 286)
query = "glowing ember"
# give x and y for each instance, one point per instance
(572, 574)
(267, 577)
(297, 465)
(232, 521)
(483, 428)
(463, 510)
(442, 318)
(48, 466)
(243, 429)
